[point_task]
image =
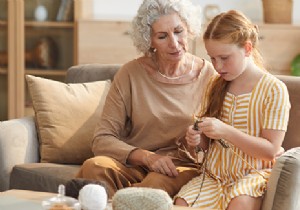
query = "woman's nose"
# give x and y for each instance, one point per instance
(173, 41)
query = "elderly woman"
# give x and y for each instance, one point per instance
(151, 104)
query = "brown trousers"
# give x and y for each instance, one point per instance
(118, 176)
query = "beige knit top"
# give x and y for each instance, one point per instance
(141, 112)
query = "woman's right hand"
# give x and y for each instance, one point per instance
(192, 136)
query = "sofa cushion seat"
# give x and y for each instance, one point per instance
(41, 176)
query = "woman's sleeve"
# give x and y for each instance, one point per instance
(114, 124)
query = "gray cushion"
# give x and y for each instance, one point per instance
(41, 176)
(283, 190)
(91, 72)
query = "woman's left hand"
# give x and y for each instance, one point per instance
(161, 164)
(213, 128)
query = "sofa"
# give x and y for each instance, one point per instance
(23, 164)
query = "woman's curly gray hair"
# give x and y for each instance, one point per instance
(151, 10)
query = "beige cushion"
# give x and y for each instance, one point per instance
(284, 184)
(66, 115)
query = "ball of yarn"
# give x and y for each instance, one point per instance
(137, 198)
(93, 197)
(73, 186)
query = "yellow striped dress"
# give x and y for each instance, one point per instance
(228, 176)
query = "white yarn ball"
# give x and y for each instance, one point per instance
(93, 197)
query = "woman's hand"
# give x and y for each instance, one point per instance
(160, 164)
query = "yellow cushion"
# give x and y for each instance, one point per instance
(66, 115)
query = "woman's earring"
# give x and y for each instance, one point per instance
(152, 49)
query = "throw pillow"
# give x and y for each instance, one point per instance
(284, 183)
(66, 116)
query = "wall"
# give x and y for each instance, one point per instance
(126, 9)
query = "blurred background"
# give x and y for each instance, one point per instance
(126, 9)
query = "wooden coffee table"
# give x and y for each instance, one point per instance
(24, 199)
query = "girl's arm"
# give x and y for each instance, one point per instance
(265, 147)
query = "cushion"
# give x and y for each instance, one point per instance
(45, 177)
(18, 144)
(284, 184)
(66, 116)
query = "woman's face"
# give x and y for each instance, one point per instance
(169, 37)
(229, 60)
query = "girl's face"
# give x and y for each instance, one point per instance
(229, 60)
(169, 37)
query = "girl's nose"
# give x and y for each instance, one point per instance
(218, 66)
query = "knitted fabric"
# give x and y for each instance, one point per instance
(138, 198)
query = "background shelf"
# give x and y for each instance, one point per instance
(27, 44)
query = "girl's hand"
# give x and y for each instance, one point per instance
(213, 128)
(160, 164)
(192, 136)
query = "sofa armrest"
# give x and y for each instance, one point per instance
(284, 184)
(18, 144)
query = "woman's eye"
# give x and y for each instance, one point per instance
(178, 32)
(162, 37)
(224, 58)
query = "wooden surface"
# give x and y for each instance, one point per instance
(106, 42)
(11, 89)
(40, 196)
(279, 45)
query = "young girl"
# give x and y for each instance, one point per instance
(243, 122)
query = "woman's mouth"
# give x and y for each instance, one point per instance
(177, 53)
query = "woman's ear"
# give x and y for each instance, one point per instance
(248, 48)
